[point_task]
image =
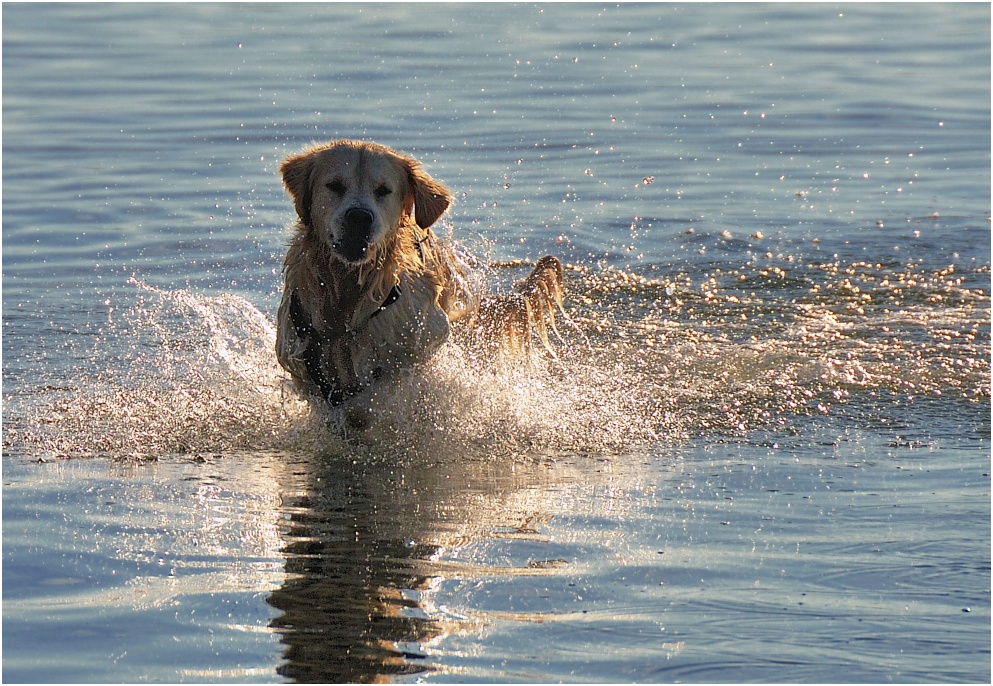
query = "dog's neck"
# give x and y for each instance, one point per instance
(347, 294)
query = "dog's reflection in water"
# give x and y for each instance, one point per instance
(362, 540)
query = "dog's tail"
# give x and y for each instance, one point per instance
(509, 322)
(544, 291)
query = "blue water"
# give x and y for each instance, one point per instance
(762, 455)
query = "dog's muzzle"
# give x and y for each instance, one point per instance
(356, 230)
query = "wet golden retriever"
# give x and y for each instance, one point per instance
(370, 289)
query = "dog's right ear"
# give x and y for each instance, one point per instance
(297, 170)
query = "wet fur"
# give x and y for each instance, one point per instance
(370, 289)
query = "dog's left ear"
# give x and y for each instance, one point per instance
(296, 171)
(431, 199)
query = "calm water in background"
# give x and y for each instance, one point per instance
(764, 453)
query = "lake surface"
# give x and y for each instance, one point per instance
(762, 453)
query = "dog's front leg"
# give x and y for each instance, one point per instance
(338, 364)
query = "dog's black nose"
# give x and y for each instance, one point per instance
(356, 231)
(358, 222)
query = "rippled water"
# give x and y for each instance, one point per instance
(763, 452)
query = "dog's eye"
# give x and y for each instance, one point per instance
(337, 187)
(383, 191)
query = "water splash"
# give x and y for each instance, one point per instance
(652, 356)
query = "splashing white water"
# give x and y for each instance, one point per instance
(198, 375)
(201, 377)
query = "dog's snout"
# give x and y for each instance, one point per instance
(356, 232)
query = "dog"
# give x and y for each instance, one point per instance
(370, 289)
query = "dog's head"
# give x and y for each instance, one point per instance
(355, 196)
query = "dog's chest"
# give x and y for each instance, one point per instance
(407, 329)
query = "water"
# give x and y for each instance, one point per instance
(763, 453)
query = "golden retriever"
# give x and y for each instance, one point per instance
(370, 289)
